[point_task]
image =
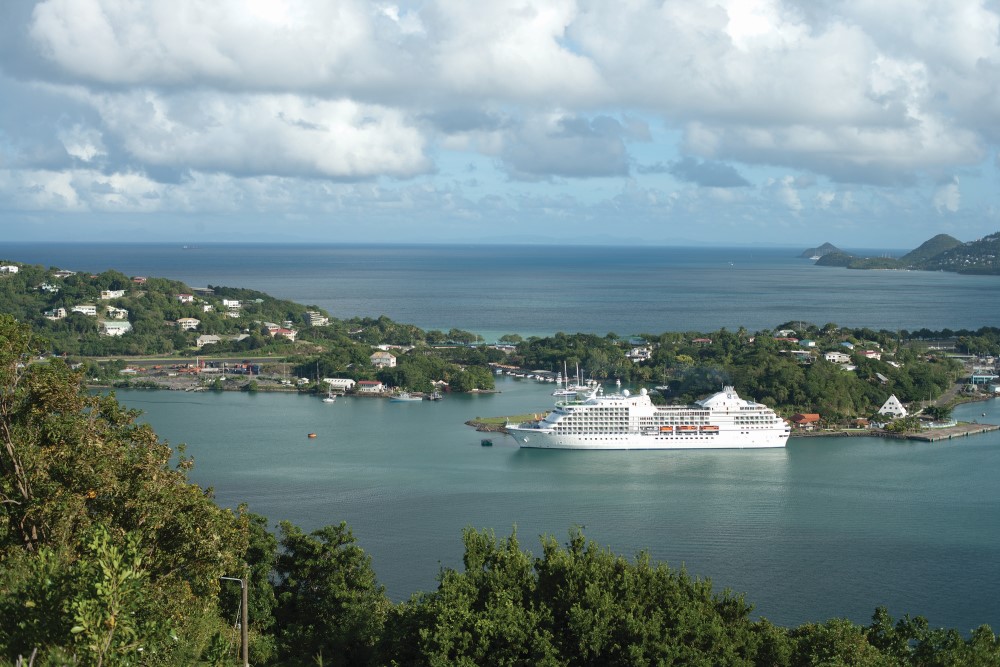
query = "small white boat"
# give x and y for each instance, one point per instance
(404, 397)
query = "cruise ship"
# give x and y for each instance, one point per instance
(626, 421)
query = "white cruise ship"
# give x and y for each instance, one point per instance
(625, 421)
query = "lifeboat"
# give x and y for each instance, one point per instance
(666, 429)
(687, 429)
(709, 429)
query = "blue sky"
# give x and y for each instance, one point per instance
(684, 122)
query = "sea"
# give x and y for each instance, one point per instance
(825, 528)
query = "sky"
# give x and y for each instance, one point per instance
(864, 124)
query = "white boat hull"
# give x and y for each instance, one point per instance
(537, 439)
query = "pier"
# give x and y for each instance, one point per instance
(950, 432)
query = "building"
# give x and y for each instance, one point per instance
(640, 354)
(139, 280)
(290, 334)
(63, 274)
(85, 308)
(315, 319)
(231, 303)
(115, 328)
(340, 384)
(383, 359)
(8, 268)
(185, 298)
(871, 354)
(805, 421)
(188, 323)
(892, 408)
(207, 339)
(116, 313)
(837, 357)
(369, 387)
(55, 314)
(108, 294)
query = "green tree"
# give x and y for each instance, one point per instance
(329, 603)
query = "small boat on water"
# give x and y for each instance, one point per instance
(311, 435)
(435, 396)
(404, 397)
(486, 442)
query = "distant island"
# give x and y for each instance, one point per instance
(940, 253)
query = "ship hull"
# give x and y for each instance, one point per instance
(536, 439)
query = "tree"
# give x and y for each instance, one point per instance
(93, 508)
(329, 603)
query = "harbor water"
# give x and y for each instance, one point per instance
(827, 527)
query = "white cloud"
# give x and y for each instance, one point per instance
(83, 143)
(264, 134)
(948, 197)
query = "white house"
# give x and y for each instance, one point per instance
(314, 319)
(63, 274)
(871, 354)
(892, 408)
(8, 268)
(207, 339)
(837, 357)
(370, 387)
(48, 287)
(231, 303)
(115, 328)
(383, 359)
(185, 298)
(188, 323)
(207, 308)
(107, 294)
(117, 313)
(55, 314)
(86, 309)
(340, 384)
(640, 354)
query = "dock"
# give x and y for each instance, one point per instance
(950, 432)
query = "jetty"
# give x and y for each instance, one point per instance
(950, 432)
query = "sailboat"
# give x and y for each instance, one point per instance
(330, 396)
(564, 390)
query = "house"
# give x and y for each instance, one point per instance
(807, 343)
(48, 287)
(640, 354)
(802, 356)
(837, 357)
(849, 346)
(340, 384)
(892, 408)
(8, 268)
(188, 323)
(107, 294)
(63, 274)
(139, 280)
(85, 308)
(871, 354)
(702, 341)
(207, 308)
(383, 359)
(805, 421)
(185, 298)
(784, 333)
(231, 304)
(207, 339)
(369, 387)
(290, 334)
(315, 319)
(55, 314)
(115, 328)
(116, 313)
(786, 339)
(881, 378)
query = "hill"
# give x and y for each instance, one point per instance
(821, 251)
(940, 253)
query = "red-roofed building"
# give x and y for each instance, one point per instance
(806, 422)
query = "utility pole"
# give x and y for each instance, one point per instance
(244, 643)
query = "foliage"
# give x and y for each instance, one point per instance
(328, 600)
(95, 521)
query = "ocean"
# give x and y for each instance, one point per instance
(828, 527)
(541, 290)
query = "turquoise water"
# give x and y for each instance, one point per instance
(539, 290)
(828, 527)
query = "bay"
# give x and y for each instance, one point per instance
(540, 290)
(828, 527)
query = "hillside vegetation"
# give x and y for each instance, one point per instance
(940, 253)
(109, 555)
